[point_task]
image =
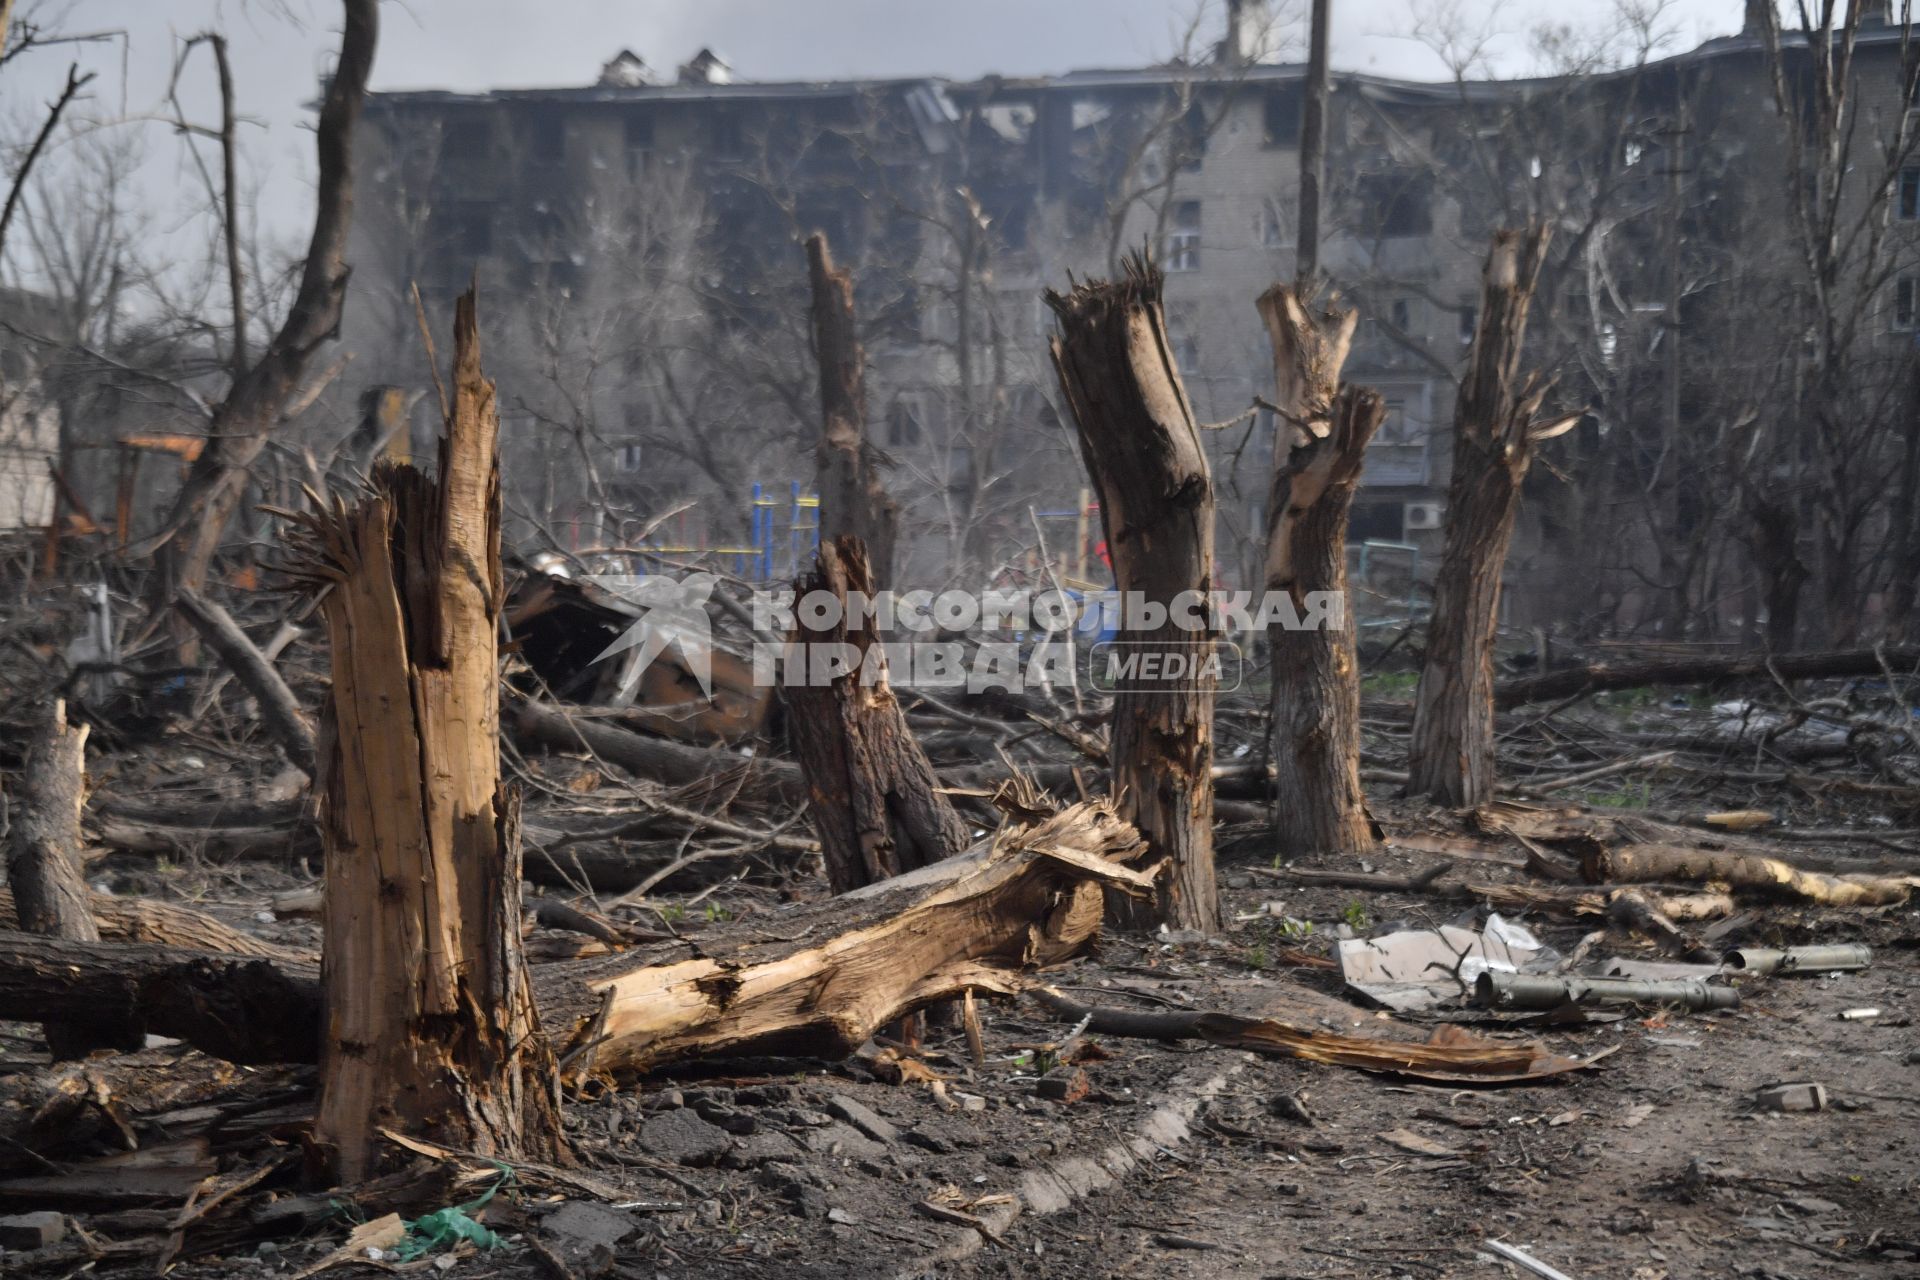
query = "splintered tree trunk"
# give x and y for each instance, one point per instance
(870, 790)
(1318, 803)
(1146, 460)
(50, 894)
(852, 499)
(1451, 757)
(431, 1028)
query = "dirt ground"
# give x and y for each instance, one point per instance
(1656, 1163)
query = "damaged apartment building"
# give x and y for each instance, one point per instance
(646, 232)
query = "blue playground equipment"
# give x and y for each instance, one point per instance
(784, 534)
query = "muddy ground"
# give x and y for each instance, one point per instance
(1656, 1163)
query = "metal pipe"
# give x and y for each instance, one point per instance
(1831, 959)
(1497, 990)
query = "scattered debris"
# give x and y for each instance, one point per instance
(1538, 991)
(1804, 1096)
(1826, 959)
(1416, 969)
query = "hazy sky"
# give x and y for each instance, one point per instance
(278, 47)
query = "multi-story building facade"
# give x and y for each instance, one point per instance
(638, 242)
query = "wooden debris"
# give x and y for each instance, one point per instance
(1643, 863)
(1453, 1057)
(279, 709)
(853, 501)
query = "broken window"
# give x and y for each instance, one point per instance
(629, 458)
(1400, 315)
(1280, 117)
(638, 138)
(468, 228)
(1906, 302)
(1186, 351)
(465, 141)
(1395, 204)
(1274, 232)
(1183, 237)
(547, 138)
(1468, 319)
(903, 423)
(1192, 138)
(1909, 194)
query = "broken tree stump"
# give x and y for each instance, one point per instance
(1451, 755)
(1319, 805)
(818, 980)
(852, 498)
(431, 1029)
(1146, 460)
(50, 895)
(872, 795)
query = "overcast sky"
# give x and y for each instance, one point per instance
(278, 47)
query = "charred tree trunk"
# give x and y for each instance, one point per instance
(50, 895)
(1146, 460)
(1773, 539)
(431, 1028)
(873, 796)
(852, 499)
(241, 425)
(1318, 803)
(1451, 756)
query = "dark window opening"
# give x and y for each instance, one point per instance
(1909, 198)
(1906, 302)
(465, 141)
(1280, 116)
(468, 228)
(1183, 237)
(1376, 522)
(903, 425)
(1395, 204)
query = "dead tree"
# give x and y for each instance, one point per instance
(852, 499)
(431, 1028)
(238, 432)
(50, 896)
(1145, 458)
(1318, 803)
(1495, 430)
(873, 797)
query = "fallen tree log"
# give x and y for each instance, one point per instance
(542, 724)
(835, 972)
(1598, 677)
(152, 920)
(1644, 863)
(1452, 1056)
(279, 710)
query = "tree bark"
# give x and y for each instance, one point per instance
(431, 1028)
(50, 895)
(1319, 806)
(240, 426)
(852, 499)
(871, 793)
(279, 709)
(819, 981)
(1451, 754)
(1146, 460)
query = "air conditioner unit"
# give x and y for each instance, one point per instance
(1423, 515)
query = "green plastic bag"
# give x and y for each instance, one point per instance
(445, 1228)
